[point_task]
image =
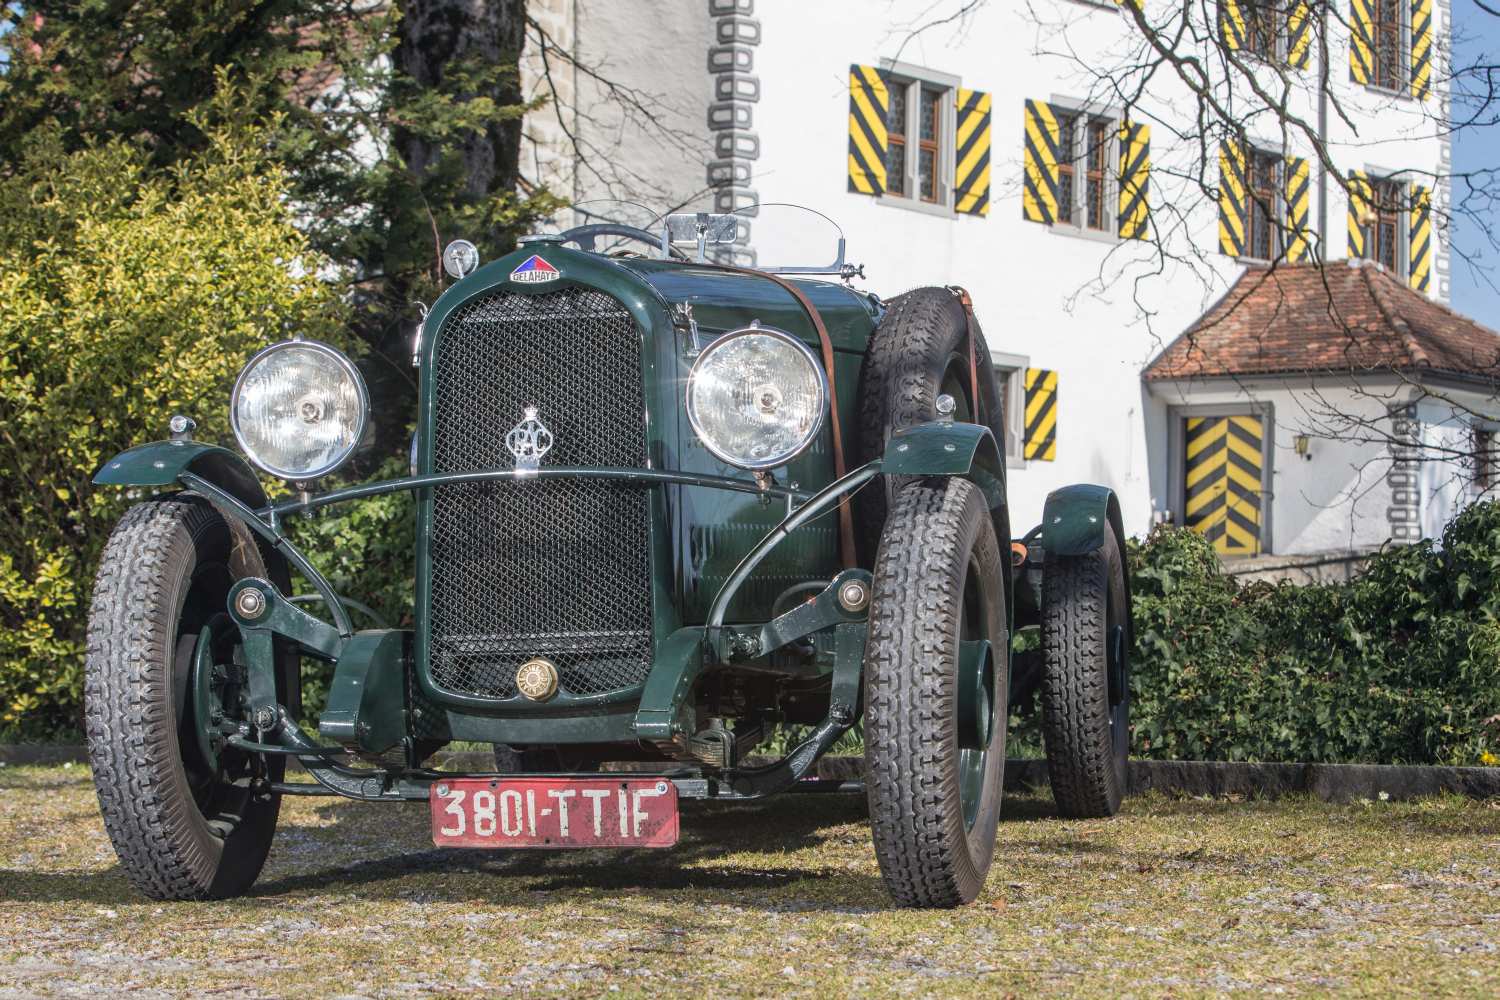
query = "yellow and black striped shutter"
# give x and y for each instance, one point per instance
(1421, 48)
(1361, 41)
(1135, 180)
(1233, 206)
(1298, 197)
(971, 155)
(1041, 414)
(869, 104)
(1299, 33)
(1360, 196)
(1231, 24)
(1043, 142)
(1420, 238)
(1222, 481)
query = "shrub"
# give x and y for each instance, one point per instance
(129, 296)
(1399, 665)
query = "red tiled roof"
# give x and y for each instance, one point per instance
(1345, 317)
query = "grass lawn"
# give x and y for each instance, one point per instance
(1171, 898)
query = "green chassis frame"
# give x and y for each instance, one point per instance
(369, 695)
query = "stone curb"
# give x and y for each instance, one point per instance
(1216, 779)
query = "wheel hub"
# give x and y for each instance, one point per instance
(976, 694)
(1116, 658)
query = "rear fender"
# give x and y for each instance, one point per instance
(161, 462)
(1074, 520)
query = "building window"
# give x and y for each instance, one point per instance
(1263, 19)
(1084, 183)
(1010, 373)
(1484, 460)
(895, 167)
(1384, 225)
(1096, 214)
(929, 126)
(1390, 48)
(1067, 182)
(1385, 236)
(1264, 236)
(917, 165)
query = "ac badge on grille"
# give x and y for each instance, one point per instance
(528, 441)
(537, 679)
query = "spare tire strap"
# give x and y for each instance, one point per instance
(964, 300)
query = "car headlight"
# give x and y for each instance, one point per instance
(756, 397)
(298, 409)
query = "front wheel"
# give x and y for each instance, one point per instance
(180, 807)
(936, 694)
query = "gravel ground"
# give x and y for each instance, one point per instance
(1171, 898)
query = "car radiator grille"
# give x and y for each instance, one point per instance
(558, 568)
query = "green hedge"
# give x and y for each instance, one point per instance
(1399, 665)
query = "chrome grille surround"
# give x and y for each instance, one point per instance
(557, 568)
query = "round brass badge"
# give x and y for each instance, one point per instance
(537, 679)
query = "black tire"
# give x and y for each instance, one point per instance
(1086, 713)
(937, 578)
(918, 352)
(182, 827)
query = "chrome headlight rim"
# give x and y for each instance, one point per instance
(824, 397)
(361, 425)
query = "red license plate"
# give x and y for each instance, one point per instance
(554, 812)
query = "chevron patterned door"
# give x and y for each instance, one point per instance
(1223, 481)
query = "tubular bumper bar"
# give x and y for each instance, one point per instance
(266, 521)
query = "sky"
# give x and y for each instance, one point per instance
(1476, 36)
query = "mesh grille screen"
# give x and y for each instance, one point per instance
(555, 568)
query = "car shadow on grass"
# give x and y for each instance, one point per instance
(816, 846)
(725, 848)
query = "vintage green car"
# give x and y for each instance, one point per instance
(666, 510)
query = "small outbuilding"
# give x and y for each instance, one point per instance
(1323, 409)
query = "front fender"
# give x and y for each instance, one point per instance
(941, 448)
(161, 462)
(951, 448)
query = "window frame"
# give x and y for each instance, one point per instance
(1276, 11)
(1075, 173)
(1402, 209)
(1011, 370)
(1390, 209)
(915, 79)
(1275, 207)
(1107, 154)
(894, 139)
(1402, 86)
(926, 92)
(1484, 469)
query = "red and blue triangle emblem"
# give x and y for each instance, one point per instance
(534, 270)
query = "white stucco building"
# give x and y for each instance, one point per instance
(1092, 221)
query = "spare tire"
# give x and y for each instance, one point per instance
(919, 351)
